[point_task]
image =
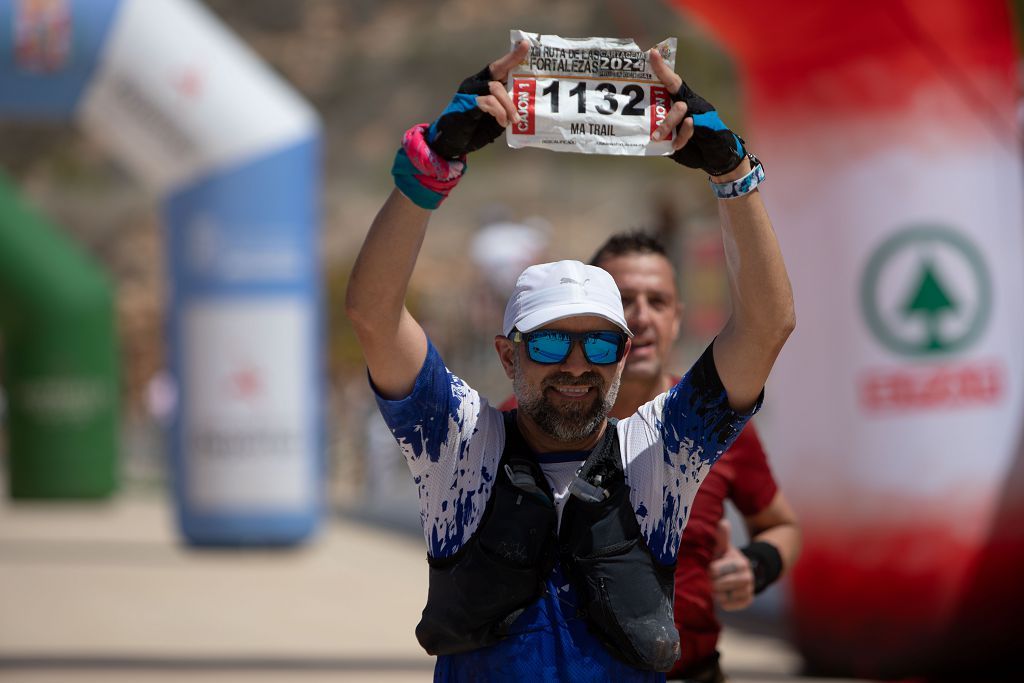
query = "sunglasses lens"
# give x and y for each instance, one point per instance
(602, 348)
(548, 347)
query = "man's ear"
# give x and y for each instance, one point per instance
(680, 307)
(506, 354)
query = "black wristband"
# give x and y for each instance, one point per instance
(765, 563)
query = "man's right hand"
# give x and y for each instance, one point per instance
(480, 110)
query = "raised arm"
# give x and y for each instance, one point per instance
(393, 343)
(428, 165)
(763, 314)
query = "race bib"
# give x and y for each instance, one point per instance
(589, 95)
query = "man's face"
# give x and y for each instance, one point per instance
(653, 311)
(569, 401)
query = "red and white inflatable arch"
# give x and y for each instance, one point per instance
(891, 140)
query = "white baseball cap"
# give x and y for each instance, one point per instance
(551, 291)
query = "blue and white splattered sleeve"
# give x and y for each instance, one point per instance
(669, 445)
(452, 441)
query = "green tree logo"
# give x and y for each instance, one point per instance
(930, 301)
(926, 291)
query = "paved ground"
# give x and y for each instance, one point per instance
(106, 593)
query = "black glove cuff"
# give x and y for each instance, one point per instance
(765, 562)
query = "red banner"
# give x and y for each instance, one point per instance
(889, 131)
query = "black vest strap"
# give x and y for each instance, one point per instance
(602, 469)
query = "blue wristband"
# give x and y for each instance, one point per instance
(405, 180)
(420, 173)
(740, 186)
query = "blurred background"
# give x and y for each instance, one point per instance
(883, 125)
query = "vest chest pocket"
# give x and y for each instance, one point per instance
(520, 527)
(496, 585)
(625, 593)
(472, 603)
(629, 605)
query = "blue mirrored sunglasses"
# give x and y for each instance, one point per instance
(549, 347)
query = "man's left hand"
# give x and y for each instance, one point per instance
(702, 140)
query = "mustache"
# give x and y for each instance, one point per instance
(588, 379)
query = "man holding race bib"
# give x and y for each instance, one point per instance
(552, 531)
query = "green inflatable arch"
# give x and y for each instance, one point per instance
(59, 362)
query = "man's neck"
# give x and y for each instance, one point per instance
(633, 393)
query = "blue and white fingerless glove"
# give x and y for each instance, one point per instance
(713, 148)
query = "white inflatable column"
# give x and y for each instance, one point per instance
(235, 153)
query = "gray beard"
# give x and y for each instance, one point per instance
(566, 423)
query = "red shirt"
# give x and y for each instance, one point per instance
(742, 475)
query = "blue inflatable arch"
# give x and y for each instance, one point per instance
(232, 152)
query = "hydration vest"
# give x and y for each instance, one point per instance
(476, 595)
